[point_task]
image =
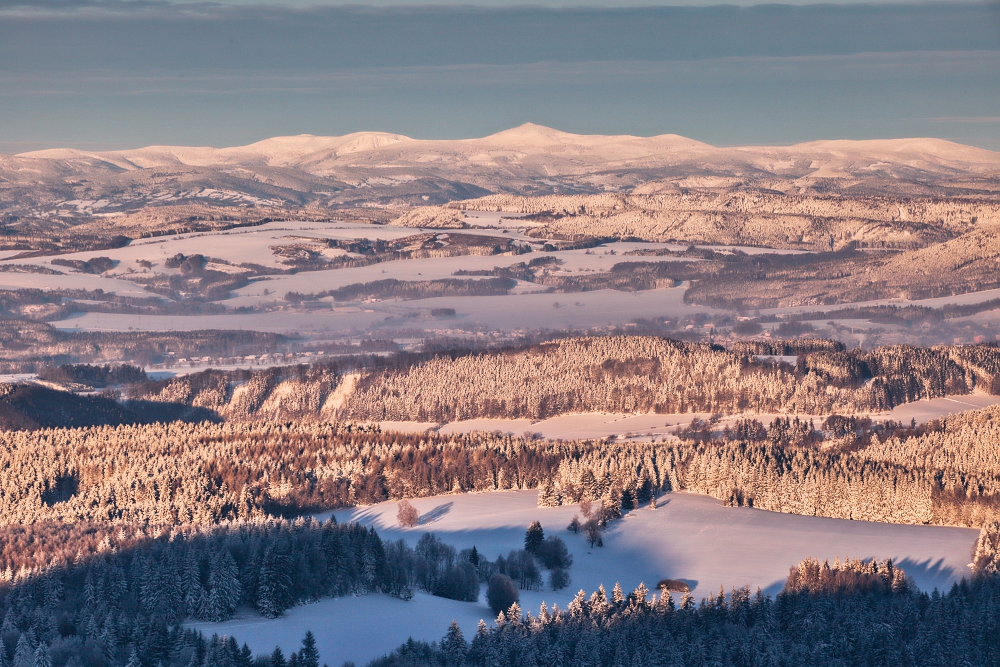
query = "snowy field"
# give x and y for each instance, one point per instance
(935, 408)
(515, 312)
(582, 426)
(689, 537)
(935, 302)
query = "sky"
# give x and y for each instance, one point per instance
(98, 75)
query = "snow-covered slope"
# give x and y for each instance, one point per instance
(688, 537)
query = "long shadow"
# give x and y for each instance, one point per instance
(435, 514)
(29, 407)
(774, 588)
(930, 574)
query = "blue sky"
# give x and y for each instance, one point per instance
(102, 75)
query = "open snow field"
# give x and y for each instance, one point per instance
(512, 312)
(935, 408)
(581, 426)
(689, 537)
(588, 425)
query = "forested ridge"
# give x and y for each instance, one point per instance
(639, 374)
(618, 374)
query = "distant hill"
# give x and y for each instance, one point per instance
(32, 406)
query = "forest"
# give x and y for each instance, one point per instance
(173, 474)
(125, 603)
(637, 374)
(112, 536)
(850, 613)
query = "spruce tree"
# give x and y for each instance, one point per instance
(42, 658)
(24, 655)
(533, 537)
(308, 655)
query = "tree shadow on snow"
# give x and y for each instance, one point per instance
(435, 514)
(774, 588)
(929, 574)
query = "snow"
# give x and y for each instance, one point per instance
(580, 426)
(71, 280)
(689, 537)
(935, 302)
(512, 312)
(935, 408)
(592, 425)
(550, 151)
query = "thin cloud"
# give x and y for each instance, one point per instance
(965, 119)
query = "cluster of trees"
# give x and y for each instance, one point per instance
(125, 604)
(847, 578)
(196, 280)
(96, 265)
(624, 276)
(364, 251)
(986, 553)
(743, 217)
(391, 288)
(95, 376)
(628, 374)
(859, 614)
(434, 567)
(206, 572)
(439, 569)
(944, 473)
(33, 406)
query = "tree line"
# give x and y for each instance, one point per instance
(173, 474)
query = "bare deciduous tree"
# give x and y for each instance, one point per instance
(408, 515)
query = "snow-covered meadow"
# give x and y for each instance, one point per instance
(688, 537)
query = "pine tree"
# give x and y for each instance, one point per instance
(42, 659)
(245, 657)
(277, 658)
(454, 644)
(533, 537)
(308, 655)
(24, 655)
(617, 596)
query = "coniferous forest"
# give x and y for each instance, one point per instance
(113, 537)
(855, 614)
